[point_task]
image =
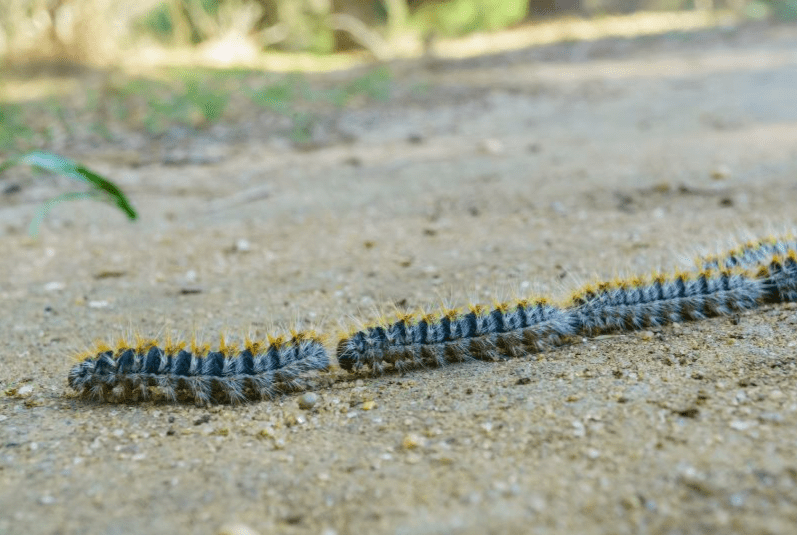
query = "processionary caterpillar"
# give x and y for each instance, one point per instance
(260, 370)
(742, 279)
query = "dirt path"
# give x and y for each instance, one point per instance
(527, 172)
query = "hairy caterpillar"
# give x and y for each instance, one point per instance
(741, 279)
(775, 260)
(258, 371)
(455, 335)
(509, 330)
(750, 254)
(636, 303)
(779, 277)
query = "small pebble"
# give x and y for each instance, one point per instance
(721, 172)
(369, 405)
(741, 425)
(411, 441)
(308, 401)
(242, 246)
(491, 146)
(297, 419)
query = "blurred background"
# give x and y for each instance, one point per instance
(103, 31)
(87, 71)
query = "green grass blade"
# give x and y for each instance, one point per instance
(64, 166)
(33, 229)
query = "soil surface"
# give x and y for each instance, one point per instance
(530, 172)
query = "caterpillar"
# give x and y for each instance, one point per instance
(741, 279)
(637, 303)
(751, 253)
(509, 330)
(455, 335)
(775, 259)
(779, 277)
(258, 371)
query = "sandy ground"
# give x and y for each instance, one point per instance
(528, 172)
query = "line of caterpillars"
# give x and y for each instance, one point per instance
(744, 278)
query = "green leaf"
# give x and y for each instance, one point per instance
(101, 187)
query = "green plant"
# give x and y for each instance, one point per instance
(276, 97)
(375, 85)
(460, 17)
(282, 96)
(782, 10)
(209, 101)
(100, 187)
(194, 99)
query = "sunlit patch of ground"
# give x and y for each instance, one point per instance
(228, 54)
(634, 25)
(531, 34)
